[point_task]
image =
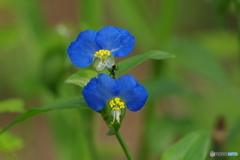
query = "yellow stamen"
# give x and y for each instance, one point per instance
(116, 105)
(115, 109)
(107, 53)
(122, 107)
(102, 53)
(117, 99)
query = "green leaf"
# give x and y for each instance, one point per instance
(81, 78)
(70, 103)
(194, 146)
(173, 127)
(10, 142)
(131, 62)
(12, 105)
(234, 132)
(112, 131)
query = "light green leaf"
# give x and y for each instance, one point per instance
(194, 146)
(12, 105)
(131, 62)
(70, 103)
(234, 132)
(81, 78)
(173, 127)
(10, 142)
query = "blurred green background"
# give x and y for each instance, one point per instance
(198, 89)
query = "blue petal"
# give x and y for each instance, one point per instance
(99, 91)
(134, 94)
(119, 41)
(81, 52)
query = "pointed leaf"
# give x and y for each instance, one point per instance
(81, 78)
(194, 146)
(131, 62)
(70, 103)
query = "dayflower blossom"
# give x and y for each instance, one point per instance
(117, 94)
(100, 46)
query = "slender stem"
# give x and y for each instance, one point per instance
(124, 146)
(106, 118)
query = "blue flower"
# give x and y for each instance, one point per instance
(100, 46)
(115, 93)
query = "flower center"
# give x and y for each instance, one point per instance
(102, 53)
(116, 105)
(103, 58)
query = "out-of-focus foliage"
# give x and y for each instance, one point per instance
(12, 105)
(69, 103)
(10, 142)
(193, 146)
(187, 93)
(81, 78)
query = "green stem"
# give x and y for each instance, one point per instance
(106, 118)
(124, 146)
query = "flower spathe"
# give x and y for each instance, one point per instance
(115, 93)
(100, 46)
